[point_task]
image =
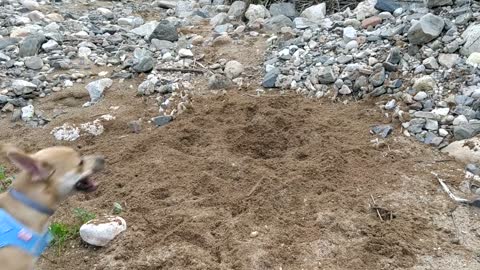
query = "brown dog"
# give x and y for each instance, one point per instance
(46, 179)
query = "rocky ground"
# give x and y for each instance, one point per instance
(246, 137)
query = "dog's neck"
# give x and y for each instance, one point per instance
(24, 214)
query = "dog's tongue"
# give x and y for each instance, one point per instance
(86, 185)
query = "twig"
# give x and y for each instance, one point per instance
(255, 187)
(48, 259)
(374, 205)
(455, 225)
(185, 70)
(450, 194)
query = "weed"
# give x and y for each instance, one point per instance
(5, 181)
(62, 232)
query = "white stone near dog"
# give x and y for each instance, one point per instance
(99, 232)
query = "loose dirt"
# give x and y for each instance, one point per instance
(246, 182)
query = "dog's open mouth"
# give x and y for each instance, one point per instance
(86, 185)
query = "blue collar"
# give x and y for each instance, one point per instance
(29, 202)
(15, 234)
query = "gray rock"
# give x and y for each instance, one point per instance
(223, 28)
(437, 3)
(233, 69)
(275, 23)
(382, 130)
(325, 75)
(283, 8)
(343, 59)
(165, 30)
(303, 23)
(378, 91)
(464, 132)
(135, 126)
(463, 100)
(387, 5)
(3, 99)
(31, 45)
(420, 96)
(416, 125)
(50, 46)
(349, 33)
(96, 88)
(4, 57)
(220, 18)
(145, 30)
(183, 9)
(377, 79)
(271, 78)
(144, 64)
(237, 9)
(162, 120)
(23, 87)
(394, 56)
(426, 29)
(162, 44)
(34, 62)
(5, 42)
(147, 87)
(431, 125)
(431, 63)
(218, 82)
(432, 139)
(472, 40)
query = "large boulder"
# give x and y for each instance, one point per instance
(467, 151)
(315, 13)
(472, 40)
(255, 12)
(283, 8)
(426, 29)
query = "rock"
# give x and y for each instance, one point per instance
(237, 9)
(255, 12)
(185, 53)
(28, 112)
(36, 16)
(220, 18)
(472, 40)
(164, 31)
(345, 90)
(448, 60)
(218, 82)
(183, 9)
(390, 105)
(270, 78)
(431, 125)
(371, 22)
(466, 151)
(425, 83)
(315, 13)
(427, 29)
(50, 46)
(147, 87)
(96, 88)
(8, 108)
(34, 62)
(349, 33)
(165, 4)
(394, 56)
(377, 79)
(431, 63)
(437, 3)
(416, 125)
(4, 57)
(222, 40)
(283, 8)
(382, 130)
(387, 5)
(325, 75)
(5, 42)
(162, 120)
(31, 45)
(144, 64)
(162, 44)
(276, 23)
(233, 69)
(23, 87)
(99, 232)
(145, 30)
(30, 4)
(443, 132)
(465, 131)
(474, 59)
(420, 96)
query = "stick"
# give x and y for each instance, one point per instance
(185, 70)
(378, 212)
(255, 187)
(450, 194)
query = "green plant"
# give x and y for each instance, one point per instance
(5, 181)
(62, 232)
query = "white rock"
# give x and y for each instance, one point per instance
(460, 120)
(315, 13)
(84, 52)
(145, 30)
(96, 88)
(66, 132)
(50, 45)
(441, 111)
(443, 132)
(28, 112)
(349, 34)
(101, 232)
(185, 53)
(420, 96)
(474, 59)
(255, 12)
(345, 90)
(390, 105)
(233, 69)
(30, 4)
(425, 83)
(463, 151)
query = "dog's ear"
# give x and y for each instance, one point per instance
(35, 168)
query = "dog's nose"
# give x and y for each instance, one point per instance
(99, 163)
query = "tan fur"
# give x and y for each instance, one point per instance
(62, 167)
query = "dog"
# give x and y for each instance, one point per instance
(46, 178)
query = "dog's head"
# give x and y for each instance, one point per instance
(52, 174)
